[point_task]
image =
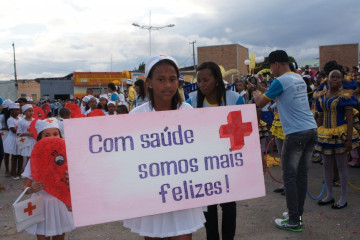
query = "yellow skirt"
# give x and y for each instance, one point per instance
(263, 131)
(276, 128)
(332, 140)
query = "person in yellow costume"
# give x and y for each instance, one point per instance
(131, 93)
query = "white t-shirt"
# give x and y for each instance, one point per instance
(147, 107)
(13, 123)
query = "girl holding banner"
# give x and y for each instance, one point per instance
(162, 79)
(58, 218)
(211, 92)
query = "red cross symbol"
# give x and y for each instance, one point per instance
(22, 140)
(236, 130)
(30, 208)
(49, 120)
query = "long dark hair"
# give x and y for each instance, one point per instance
(176, 99)
(220, 86)
(140, 84)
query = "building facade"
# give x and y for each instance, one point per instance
(29, 88)
(57, 88)
(98, 81)
(346, 55)
(230, 56)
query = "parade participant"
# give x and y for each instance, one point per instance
(10, 146)
(58, 219)
(241, 88)
(65, 113)
(162, 79)
(180, 88)
(120, 94)
(85, 104)
(111, 108)
(140, 92)
(24, 125)
(113, 95)
(337, 136)
(92, 105)
(279, 136)
(289, 92)
(211, 92)
(122, 109)
(131, 93)
(22, 101)
(1, 142)
(4, 116)
(103, 100)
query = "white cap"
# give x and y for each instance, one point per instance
(41, 125)
(129, 81)
(86, 99)
(29, 99)
(124, 103)
(111, 102)
(6, 103)
(154, 60)
(26, 107)
(104, 96)
(14, 106)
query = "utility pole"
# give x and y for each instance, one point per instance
(150, 27)
(16, 84)
(193, 43)
(111, 64)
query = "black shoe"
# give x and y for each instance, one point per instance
(316, 158)
(337, 206)
(322, 203)
(283, 193)
(279, 190)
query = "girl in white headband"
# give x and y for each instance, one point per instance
(58, 218)
(24, 125)
(10, 146)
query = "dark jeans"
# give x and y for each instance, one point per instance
(228, 221)
(295, 157)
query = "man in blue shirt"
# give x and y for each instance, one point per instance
(289, 92)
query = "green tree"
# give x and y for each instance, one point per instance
(141, 68)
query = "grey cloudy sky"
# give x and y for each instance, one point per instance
(55, 38)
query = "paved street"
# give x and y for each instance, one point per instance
(255, 217)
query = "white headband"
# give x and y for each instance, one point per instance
(41, 125)
(154, 60)
(14, 106)
(26, 107)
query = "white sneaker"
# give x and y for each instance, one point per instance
(16, 178)
(286, 217)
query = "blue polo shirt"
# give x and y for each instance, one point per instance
(289, 91)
